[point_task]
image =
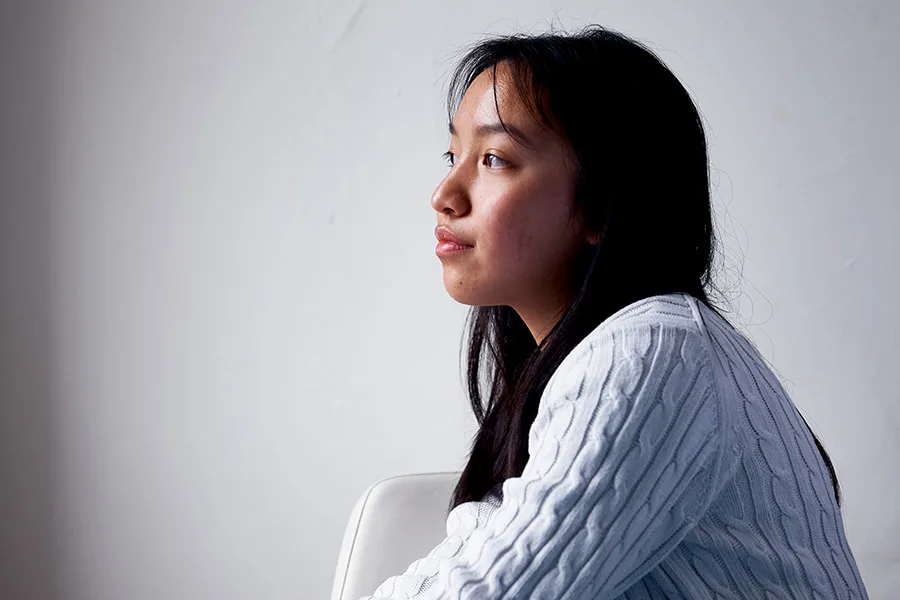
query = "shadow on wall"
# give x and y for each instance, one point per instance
(28, 566)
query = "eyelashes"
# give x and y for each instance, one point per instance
(450, 159)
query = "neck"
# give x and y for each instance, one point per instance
(540, 320)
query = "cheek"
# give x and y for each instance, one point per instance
(528, 226)
(525, 241)
(511, 235)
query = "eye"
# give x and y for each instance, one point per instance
(449, 157)
(494, 156)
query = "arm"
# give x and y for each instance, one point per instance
(623, 459)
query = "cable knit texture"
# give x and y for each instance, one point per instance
(665, 461)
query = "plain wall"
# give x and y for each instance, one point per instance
(221, 315)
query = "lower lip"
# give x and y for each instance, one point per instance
(450, 249)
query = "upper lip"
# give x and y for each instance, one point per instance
(443, 234)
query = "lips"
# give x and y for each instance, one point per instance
(449, 244)
(443, 234)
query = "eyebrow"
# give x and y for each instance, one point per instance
(486, 129)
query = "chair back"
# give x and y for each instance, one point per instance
(394, 522)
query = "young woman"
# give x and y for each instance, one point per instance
(632, 443)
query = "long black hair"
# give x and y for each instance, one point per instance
(642, 185)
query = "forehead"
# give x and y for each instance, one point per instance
(477, 116)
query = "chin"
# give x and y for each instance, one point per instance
(462, 298)
(465, 291)
(460, 289)
(461, 295)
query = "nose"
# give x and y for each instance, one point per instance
(450, 196)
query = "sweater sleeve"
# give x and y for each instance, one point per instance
(624, 457)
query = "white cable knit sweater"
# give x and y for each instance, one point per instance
(665, 461)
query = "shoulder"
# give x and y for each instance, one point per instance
(652, 353)
(654, 332)
(649, 365)
(670, 311)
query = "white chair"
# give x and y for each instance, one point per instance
(394, 522)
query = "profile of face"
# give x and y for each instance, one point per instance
(508, 206)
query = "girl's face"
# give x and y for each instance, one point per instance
(510, 208)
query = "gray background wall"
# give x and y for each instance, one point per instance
(221, 316)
